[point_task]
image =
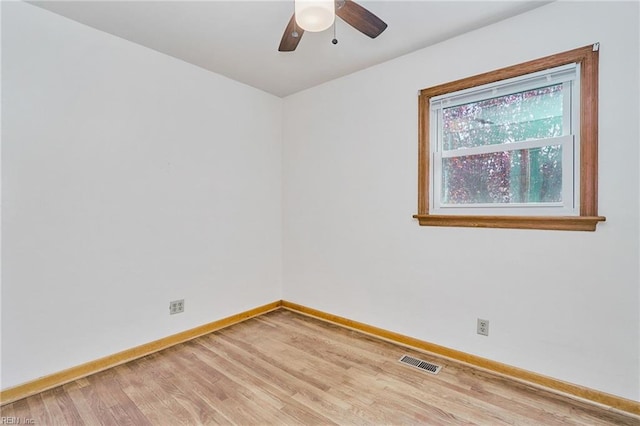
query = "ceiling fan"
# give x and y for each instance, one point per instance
(319, 15)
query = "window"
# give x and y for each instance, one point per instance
(514, 148)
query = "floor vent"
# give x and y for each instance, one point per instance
(422, 365)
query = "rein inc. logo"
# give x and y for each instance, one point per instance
(11, 420)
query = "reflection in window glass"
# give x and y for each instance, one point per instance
(519, 176)
(532, 114)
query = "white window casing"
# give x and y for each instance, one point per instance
(568, 76)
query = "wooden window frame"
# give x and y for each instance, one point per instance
(588, 218)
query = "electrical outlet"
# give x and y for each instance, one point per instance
(176, 307)
(483, 327)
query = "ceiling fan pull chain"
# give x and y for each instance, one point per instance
(335, 40)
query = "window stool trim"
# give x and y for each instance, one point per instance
(555, 223)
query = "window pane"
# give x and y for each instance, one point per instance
(520, 176)
(532, 114)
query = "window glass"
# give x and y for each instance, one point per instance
(532, 114)
(504, 177)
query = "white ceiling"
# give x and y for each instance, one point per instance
(239, 39)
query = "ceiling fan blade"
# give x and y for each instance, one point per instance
(361, 19)
(291, 37)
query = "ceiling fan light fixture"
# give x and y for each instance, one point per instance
(315, 15)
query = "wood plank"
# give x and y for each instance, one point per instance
(147, 382)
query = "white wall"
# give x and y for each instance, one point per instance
(563, 304)
(129, 179)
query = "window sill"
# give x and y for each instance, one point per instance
(557, 223)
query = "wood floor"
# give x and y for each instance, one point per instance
(285, 368)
